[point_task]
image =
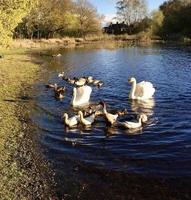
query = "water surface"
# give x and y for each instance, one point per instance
(161, 149)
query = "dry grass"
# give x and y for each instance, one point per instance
(42, 43)
(72, 42)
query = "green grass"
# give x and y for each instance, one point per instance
(17, 145)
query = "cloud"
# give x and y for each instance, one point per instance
(109, 18)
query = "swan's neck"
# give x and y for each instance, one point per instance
(133, 88)
(74, 95)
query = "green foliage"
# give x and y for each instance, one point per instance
(176, 23)
(88, 19)
(11, 13)
(59, 18)
(157, 22)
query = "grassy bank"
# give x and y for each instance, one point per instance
(72, 42)
(23, 171)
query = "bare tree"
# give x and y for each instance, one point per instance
(89, 20)
(131, 11)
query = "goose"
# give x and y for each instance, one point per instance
(88, 111)
(81, 95)
(89, 79)
(123, 112)
(111, 118)
(50, 85)
(95, 82)
(87, 121)
(57, 55)
(141, 91)
(134, 125)
(72, 121)
(80, 82)
(59, 93)
(65, 78)
(59, 88)
(99, 84)
(55, 86)
(61, 75)
(71, 81)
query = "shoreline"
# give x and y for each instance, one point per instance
(67, 42)
(24, 172)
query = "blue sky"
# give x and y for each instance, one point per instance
(107, 7)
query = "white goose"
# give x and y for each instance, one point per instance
(72, 121)
(61, 75)
(134, 125)
(141, 91)
(81, 95)
(80, 82)
(87, 121)
(90, 79)
(111, 118)
(71, 81)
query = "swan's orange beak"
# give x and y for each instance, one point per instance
(129, 80)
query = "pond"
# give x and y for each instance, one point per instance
(161, 149)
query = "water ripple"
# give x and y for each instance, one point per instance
(163, 145)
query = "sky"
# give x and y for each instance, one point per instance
(107, 7)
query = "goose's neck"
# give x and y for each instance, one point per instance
(55, 87)
(133, 88)
(104, 108)
(81, 115)
(66, 119)
(140, 121)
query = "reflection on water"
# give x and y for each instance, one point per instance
(145, 107)
(162, 147)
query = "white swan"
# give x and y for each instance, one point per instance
(81, 95)
(72, 121)
(87, 121)
(141, 91)
(134, 125)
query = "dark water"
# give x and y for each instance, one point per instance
(161, 149)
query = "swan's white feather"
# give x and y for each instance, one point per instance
(81, 95)
(144, 90)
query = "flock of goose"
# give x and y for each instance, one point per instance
(81, 96)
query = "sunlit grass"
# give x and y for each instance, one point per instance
(17, 72)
